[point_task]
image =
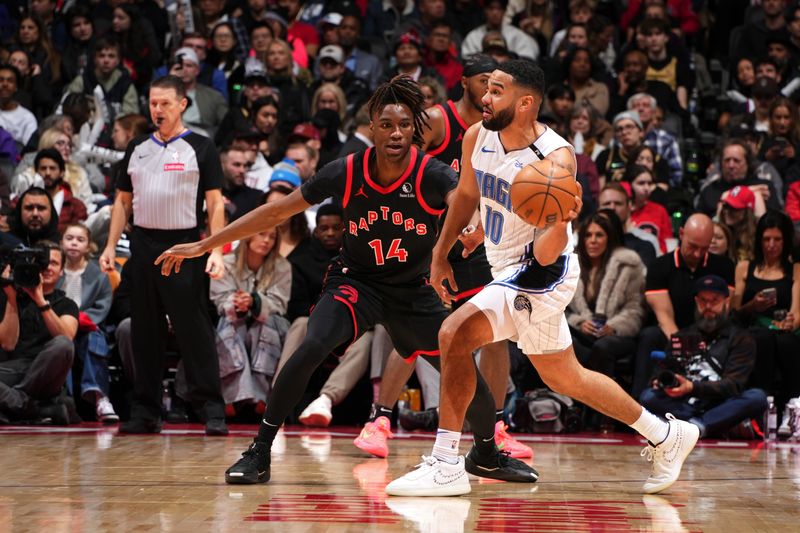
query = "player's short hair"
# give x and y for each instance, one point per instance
(170, 82)
(402, 90)
(526, 74)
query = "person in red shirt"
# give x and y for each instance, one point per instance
(646, 214)
(440, 54)
(300, 30)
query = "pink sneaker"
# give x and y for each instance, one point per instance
(372, 438)
(507, 443)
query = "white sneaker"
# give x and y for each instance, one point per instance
(434, 515)
(668, 457)
(432, 478)
(105, 411)
(318, 413)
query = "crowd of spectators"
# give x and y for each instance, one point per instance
(683, 113)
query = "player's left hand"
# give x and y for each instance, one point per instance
(215, 266)
(471, 237)
(441, 271)
(575, 211)
(684, 387)
(173, 257)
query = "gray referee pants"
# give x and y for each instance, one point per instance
(182, 296)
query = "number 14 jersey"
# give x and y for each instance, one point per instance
(389, 231)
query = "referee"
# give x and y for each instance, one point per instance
(166, 178)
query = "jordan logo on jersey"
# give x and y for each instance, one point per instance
(460, 136)
(361, 192)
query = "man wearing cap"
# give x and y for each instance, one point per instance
(207, 107)
(495, 46)
(234, 170)
(285, 173)
(736, 166)
(331, 69)
(256, 85)
(668, 290)
(119, 92)
(517, 40)
(628, 137)
(708, 386)
(306, 133)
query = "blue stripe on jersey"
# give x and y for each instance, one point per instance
(509, 281)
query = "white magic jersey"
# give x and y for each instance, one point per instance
(509, 239)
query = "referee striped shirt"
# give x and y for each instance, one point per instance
(169, 180)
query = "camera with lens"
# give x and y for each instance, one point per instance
(683, 349)
(27, 264)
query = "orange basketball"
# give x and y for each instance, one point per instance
(543, 193)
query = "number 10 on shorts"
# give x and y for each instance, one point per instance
(395, 252)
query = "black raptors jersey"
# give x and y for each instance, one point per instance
(449, 152)
(389, 231)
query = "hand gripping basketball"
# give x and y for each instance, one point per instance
(543, 193)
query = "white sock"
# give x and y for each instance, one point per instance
(446, 446)
(651, 427)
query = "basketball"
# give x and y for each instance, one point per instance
(544, 195)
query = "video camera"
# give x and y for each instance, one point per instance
(684, 348)
(27, 264)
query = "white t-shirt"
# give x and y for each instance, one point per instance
(19, 122)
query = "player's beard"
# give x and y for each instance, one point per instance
(499, 120)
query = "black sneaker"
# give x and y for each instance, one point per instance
(500, 466)
(215, 427)
(54, 413)
(140, 426)
(411, 420)
(252, 468)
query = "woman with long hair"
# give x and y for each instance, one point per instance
(582, 125)
(647, 214)
(293, 230)
(607, 310)
(140, 50)
(721, 242)
(222, 54)
(77, 55)
(580, 74)
(251, 298)
(780, 146)
(767, 298)
(737, 211)
(294, 107)
(33, 37)
(264, 120)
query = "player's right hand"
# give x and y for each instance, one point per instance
(441, 271)
(107, 259)
(173, 257)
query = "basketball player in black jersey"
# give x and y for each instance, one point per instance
(447, 125)
(392, 197)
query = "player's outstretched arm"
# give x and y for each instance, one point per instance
(260, 219)
(462, 203)
(548, 247)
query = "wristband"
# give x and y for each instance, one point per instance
(44, 308)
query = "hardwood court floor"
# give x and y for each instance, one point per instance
(91, 479)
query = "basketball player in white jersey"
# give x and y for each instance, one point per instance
(535, 275)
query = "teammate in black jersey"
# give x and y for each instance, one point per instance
(392, 197)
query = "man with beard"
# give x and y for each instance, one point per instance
(50, 166)
(234, 167)
(720, 357)
(535, 274)
(35, 218)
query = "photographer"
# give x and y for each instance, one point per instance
(38, 326)
(711, 361)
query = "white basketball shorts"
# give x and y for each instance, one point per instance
(526, 303)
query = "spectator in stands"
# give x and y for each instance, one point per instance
(305, 158)
(209, 74)
(251, 298)
(256, 85)
(736, 168)
(264, 120)
(780, 145)
(793, 204)
(737, 212)
(721, 242)
(35, 218)
(668, 290)
(14, 118)
(441, 54)
(77, 55)
(493, 44)
(294, 105)
(584, 122)
(332, 70)
(628, 137)
(212, 12)
(34, 38)
(50, 167)
(328, 123)
(577, 36)
(34, 93)
(259, 170)
(614, 198)
(299, 30)
(516, 40)
(139, 49)
(713, 393)
(647, 215)
(222, 57)
(664, 65)
(330, 96)
(36, 333)
(752, 38)
(407, 54)
(51, 25)
(607, 310)
(243, 198)
(207, 107)
(383, 20)
(363, 64)
(560, 99)
(768, 301)
(329, 29)
(578, 71)
(633, 80)
(361, 139)
(664, 143)
(85, 284)
(580, 12)
(433, 90)
(119, 92)
(294, 230)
